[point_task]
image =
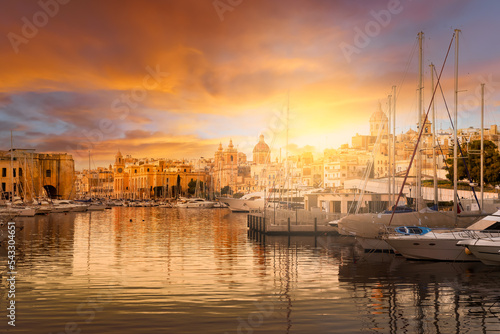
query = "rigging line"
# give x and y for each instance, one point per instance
(460, 148)
(412, 53)
(420, 132)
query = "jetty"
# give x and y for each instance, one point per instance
(292, 222)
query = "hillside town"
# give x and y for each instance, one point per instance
(229, 171)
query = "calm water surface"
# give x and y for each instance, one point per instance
(158, 270)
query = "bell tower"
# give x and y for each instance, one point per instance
(119, 164)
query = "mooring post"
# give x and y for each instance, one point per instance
(315, 225)
(288, 225)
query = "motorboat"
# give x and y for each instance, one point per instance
(487, 250)
(370, 228)
(246, 203)
(423, 243)
(196, 203)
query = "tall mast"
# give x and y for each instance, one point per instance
(11, 168)
(482, 147)
(287, 164)
(389, 153)
(394, 144)
(90, 180)
(434, 162)
(418, 194)
(455, 134)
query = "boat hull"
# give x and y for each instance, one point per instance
(242, 205)
(486, 250)
(430, 249)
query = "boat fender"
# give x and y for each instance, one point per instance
(467, 251)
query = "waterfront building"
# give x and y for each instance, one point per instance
(33, 175)
(156, 178)
(225, 168)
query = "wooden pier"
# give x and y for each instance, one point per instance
(259, 223)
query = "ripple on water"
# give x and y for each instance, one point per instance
(153, 270)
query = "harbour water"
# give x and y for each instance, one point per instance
(163, 270)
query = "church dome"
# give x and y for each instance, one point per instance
(261, 146)
(379, 115)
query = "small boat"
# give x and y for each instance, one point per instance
(196, 203)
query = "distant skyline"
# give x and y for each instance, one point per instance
(173, 79)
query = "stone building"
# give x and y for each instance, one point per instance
(261, 152)
(225, 169)
(30, 175)
(153, 179)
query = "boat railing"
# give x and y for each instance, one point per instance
(458, 234)
(481, 234)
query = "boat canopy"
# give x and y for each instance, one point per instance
(412, 230)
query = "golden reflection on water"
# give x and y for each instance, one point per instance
(157, 270)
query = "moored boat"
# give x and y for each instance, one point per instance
(196, 203)
(421, 243)
(485, 249)
(248, 202)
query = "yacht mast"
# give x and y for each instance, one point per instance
(434, 162)
(287, 164)
(11, 169)
(418, 194)
(455, 134)
(90, 180)
(389, 152)
(482, 147)
(393, 144)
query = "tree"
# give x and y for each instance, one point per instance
(473, 161)
(226, 190)
(192, 186)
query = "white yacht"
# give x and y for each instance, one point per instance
(370, 228)
(485, 249)
(251, 201)
(414, 242)
(196, 203)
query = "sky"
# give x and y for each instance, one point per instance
(173, 79)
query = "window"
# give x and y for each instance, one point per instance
(20, 172)
(48, 173)
(4, 186)
(4, 172)
(14, 172)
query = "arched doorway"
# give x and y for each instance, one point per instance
(51, 191)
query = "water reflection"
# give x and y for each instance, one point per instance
(394, 295)
(156, 270)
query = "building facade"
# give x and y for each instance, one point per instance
(31, 175)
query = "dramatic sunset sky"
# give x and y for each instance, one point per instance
(174, 78)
